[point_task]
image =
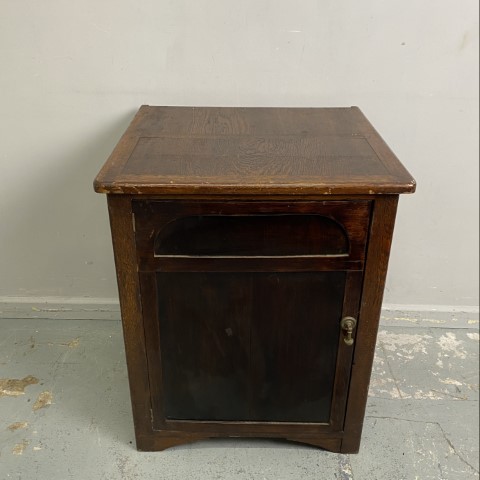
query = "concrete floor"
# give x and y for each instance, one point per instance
(75, 423)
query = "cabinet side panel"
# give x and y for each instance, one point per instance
(120, 211)
(378, 252)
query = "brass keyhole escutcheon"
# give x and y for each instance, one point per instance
(348, 324)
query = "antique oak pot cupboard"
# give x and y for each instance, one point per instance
(251, 248)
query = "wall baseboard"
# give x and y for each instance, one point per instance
(85, 308)
(64, 308)
(431, 316)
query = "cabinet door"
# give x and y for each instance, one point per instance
(250, 346)
(204, 321)
(253, 346)
(250, 338)
(294, 339)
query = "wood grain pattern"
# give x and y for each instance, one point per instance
(230, 350)
(160, 441)
(351, 306)
(252, 236)
(204, 331)
(281, 157)
(153, 217)
(185, 150)
(302, 403)
(294, 345)
(241, 237)
(378, 252)
(120, 211)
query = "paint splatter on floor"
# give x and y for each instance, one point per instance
(451, 346)
(345, 467)
(19, 448)
(17, 426)
(404, 344)
(44, 400)
(13, 387)
(399, 369)
(74, 343)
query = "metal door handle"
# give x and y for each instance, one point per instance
(348, 324)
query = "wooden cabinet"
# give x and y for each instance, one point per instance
(251, 249)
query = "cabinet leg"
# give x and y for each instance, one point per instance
(351, 444)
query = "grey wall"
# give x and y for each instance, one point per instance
(73, 73)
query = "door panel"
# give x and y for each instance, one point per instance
(294, 345)
(221, 236)
(249, 346)
(242, 320)
(204, 322)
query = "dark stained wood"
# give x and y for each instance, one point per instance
(250, 346)
(241, 238)
(380, 239)
(330, 444)
(294, 345)
(192, 150)
(204, 331)
(148, 292)
(120, 212)
(250, 428)
(351, 305)
(252, 236)
(248, 264)
(152, 218)
(160, 441)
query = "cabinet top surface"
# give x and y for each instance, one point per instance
(252, 151)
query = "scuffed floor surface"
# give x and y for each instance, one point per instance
(65, 413)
